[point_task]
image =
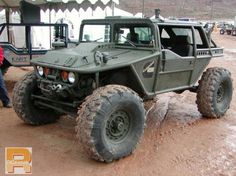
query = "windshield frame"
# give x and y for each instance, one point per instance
(132, 26)
(100, 23)
(112, 21)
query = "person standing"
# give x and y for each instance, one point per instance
(3, 91)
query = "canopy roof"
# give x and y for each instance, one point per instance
(60, 4)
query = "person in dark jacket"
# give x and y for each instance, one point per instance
(3, 91)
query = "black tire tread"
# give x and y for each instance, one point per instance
(222, 32)
(206, 89)
(20, 106)
(88, 111)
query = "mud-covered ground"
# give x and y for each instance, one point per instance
(177, 140)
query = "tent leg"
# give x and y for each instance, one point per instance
(7, 14)
(143, 10)
(50, 32)
(113, 8)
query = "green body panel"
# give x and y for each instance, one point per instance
(155, 70)
(81, 58)
(176, 69)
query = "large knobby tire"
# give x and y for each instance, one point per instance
(229, 32)
(234, 32)
(214, 93)
(222, 31)
(24, 105)
(110, 123)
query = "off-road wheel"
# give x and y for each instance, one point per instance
(234, 32)
(222, 31)
(110, 123)
(229, 32)
(214, 93)
(24, 105)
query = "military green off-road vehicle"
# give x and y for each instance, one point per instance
(119, 63)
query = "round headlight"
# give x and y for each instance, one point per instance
(40, 70)
(71, 77)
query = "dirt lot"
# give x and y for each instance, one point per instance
(182, 144)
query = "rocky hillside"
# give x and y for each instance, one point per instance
(200, 9)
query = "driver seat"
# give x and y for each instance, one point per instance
(133, 38)
(182, 46)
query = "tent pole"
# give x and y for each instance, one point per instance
(50, 20)
(7, 14)
(113, 8)
(212, 6)
(143, 10)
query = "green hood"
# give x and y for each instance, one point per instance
(81, 58)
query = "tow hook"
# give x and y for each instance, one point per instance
(56, 87)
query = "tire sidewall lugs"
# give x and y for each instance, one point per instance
(113, 98)
(207, 92)
(24, 106)
(127, 103)
(223, 77)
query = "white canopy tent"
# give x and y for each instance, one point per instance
(52, 10)
(60, 4)
(50, 7)
(76, 17)
(13, 5)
